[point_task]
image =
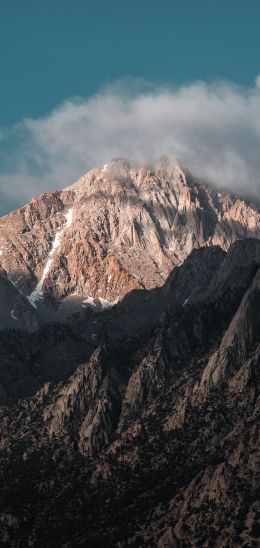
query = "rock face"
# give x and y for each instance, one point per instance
(141, 424)
(15, 311)
(117, 228)
(242, 334)
(137, 426)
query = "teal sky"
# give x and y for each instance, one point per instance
(84, 81)
(51, 50)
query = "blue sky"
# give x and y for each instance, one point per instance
(54, 49)
(84, 81)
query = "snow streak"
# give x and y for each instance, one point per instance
(37, 293)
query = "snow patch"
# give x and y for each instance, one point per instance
(15, 284)
(37, 293)
(108, 304)
(69, 217)
(13, 315)
(98, 301)
(186, 301)
(90, 300)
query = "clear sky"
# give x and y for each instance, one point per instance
(51, 50)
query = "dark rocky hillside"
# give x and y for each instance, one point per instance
(138, 426)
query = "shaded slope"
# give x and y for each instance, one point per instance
(134, 449)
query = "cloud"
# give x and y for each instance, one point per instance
(257, 81)
(212, 129)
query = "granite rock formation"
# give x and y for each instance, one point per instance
(139, 426)
(118, 228)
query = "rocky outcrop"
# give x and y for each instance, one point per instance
(239, 342)
(118, 228)
(87, 407)
(142, 429)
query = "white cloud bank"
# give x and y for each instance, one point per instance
(212, 129)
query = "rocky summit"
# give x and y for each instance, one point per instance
(129, 364)
(118, 228)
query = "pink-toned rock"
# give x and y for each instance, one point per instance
(116, 229)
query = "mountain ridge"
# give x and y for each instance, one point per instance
(129, 364)
(132, 447)
(128, 228)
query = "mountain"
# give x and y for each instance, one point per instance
(129, 364)
(118, 228)
(140, 424)
(15, 310)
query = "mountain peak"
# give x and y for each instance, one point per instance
(121, 226)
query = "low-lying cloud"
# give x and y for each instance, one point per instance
(212, 129)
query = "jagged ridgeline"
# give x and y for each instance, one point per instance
(129, 364)
(118, 228)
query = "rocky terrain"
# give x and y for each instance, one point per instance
(129, 364)
(138, 426)
(118, 228)
(15, 310)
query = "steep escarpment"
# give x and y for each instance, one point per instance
(147, 433)
(118, 228)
